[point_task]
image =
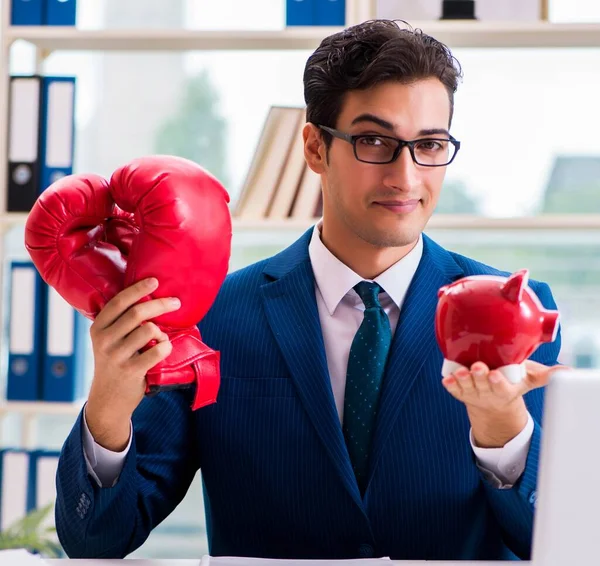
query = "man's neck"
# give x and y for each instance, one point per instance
(363, 258)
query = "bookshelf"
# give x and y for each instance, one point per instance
(29, 411)
(437, 222)
(457, 34)
(451, 222)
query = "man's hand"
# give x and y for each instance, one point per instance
(119, 332)
(495, 406)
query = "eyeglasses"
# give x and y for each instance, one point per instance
(372, 148)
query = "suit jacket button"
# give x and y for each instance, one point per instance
(366, 551)
(533, 498)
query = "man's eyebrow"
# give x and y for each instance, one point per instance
(434, 131)
(390, 127)
(375, 119)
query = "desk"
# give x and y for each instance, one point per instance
(10, 558)
(120, 562)
(133, 562)
(226, 561)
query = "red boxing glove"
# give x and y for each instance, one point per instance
(160, 216)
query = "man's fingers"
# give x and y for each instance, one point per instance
(141, 313)
(139, 338)
(538, 375)
(451, 384)
(499, 384)
(465, 380)
(480, 367)
(481, 373)
(147, 360)
(122, 301)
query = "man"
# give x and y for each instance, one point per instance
(442, 468)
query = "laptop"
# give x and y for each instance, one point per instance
(567, 509)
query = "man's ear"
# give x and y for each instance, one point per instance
(315, 151)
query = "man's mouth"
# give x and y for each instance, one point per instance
(399, 206)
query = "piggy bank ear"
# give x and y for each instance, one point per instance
(514, 286)
(442, 290)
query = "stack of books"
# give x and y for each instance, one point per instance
(279, 184)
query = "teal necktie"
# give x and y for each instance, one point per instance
(366, 365)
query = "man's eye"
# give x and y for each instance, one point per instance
(431, 145)
(371, 140)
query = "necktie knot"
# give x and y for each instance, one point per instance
(369, 293)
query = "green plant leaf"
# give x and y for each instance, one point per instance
(28, 533)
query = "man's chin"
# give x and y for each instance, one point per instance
(391, 238)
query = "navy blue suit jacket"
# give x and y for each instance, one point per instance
(277, 478)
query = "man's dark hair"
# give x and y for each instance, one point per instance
(369, 53)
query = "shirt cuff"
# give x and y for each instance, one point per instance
(102, 464)
(503, 467)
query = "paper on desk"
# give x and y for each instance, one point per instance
(19, 557)
(243, 561)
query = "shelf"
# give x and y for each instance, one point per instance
(53, 39)
(542, 222)
(552, 229)
(11, 219)
(513, 34)
(40, 408)
(451, 222)
(437, 222)
(455, 34)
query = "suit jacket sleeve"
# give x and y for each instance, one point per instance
(111, 522)
(514, 508)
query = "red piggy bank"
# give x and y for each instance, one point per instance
(495, 320)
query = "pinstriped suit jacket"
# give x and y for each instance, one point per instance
(277, 478)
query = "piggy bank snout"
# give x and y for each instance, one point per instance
(550, 323)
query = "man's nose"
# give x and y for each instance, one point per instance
(403, 173)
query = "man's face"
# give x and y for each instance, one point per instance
(385, 205)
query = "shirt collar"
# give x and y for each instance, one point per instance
(335, 279)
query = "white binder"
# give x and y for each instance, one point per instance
(14, 476)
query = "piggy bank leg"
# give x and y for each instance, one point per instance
(514, 372)
(449, 367)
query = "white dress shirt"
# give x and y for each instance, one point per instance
(341, 313)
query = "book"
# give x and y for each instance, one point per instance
(268, 163)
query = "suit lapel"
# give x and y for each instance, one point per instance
(414, 338)
(291, 309)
